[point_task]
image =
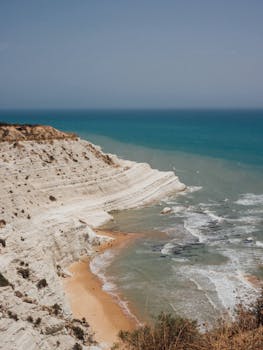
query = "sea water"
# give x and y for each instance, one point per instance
(196, 261)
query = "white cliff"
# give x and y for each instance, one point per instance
(53, 191)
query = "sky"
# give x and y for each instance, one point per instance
(131, 54)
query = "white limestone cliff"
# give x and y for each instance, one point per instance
(52, 193)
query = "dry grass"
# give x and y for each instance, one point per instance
(171, 333)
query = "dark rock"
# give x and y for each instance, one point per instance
(38, 321)
(56, 309)
(42, 283)
(2, 223)
(78, 332)
(18, 294)
(12, 315)
(3, 281)
(2, 241)
(30, 319)
(23, 272)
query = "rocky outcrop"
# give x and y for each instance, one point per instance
(25, 132)
(52, 194)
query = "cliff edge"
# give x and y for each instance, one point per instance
(55, 188)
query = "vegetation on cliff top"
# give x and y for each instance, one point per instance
(29, 132)
(171, 333)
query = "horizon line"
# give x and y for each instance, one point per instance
(125, 108)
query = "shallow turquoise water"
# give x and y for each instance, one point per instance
(213, 239)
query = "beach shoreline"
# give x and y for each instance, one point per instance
(88, 299)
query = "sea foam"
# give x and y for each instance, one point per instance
(250, 199)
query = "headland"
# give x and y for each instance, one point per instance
(55, 190)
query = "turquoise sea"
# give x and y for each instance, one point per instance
(196, 261)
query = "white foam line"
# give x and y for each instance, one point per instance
(203, 290)
(214, 216)
(248, 199)
(194, 233)
(224, 288)
(190, 189)
(259, 244)
(107, 286)
(243, 280)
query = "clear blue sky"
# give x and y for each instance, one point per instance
(131, 53)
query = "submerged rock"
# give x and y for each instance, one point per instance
(166, 210)
(249, 240)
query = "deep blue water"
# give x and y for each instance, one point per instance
(228, 134)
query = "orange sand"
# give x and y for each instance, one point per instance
(255, 281)
(87, 299)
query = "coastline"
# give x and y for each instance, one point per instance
(87, 298)
(56, 191)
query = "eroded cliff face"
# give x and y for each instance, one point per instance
(53, 191)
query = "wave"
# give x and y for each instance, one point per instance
(98, 266)
(200, 288)
(191, 189)
(248, 199)
(255, 211)
(240, 230)
(221, 286)
(259, 244)
(213, 216)
(246, 220)
(179, 209)
(198, 225)
(203, 221)
(168, 248)
(180, 260)
(212, 245)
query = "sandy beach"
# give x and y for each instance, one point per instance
(87, 298)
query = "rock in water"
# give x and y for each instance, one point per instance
(166, 210)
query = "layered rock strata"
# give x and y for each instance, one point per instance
(54, 188)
